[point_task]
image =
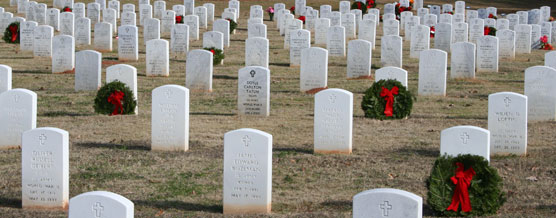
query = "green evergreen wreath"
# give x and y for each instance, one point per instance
(8, 33)
(233, 25)
(374, 105)
(485, 190)
(102, 106)
(217, 55)
(359, 5)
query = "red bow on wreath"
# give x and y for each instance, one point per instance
(388, 95)
(14, 31)
(116, 99)
(359, 6)
(432, 31)
(462, 180)
(179, 19)
(212, 51)
(66, 9)
(302, 18)
(487, 30)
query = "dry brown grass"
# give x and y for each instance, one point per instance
(112, 153)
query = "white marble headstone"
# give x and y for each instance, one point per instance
(465, 140)
(100, 204)
(18, 113)
(432, 72)
(507, 123)
(63, 54)
(198, 70)
(170, 118)
(387, 202)
(462, 60)
(541, 93)
(88, 64)
(314, 69)
(333, 122)
(253, 91)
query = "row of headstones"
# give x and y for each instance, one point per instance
(247, 182)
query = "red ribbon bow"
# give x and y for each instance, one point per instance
(179, 19)
(462, 180)
(302, 18)
(13, 30)
(388, 95)
(116, 99)
(359, 5)
(212, 51)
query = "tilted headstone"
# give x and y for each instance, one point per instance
(253, 91)
(88, 64)
(541, 93)
(387, 202)
(432, 72)
(63, 54)
(45, 169)
(247, 172)
(333, 122)
(507, 123)
(462, 60)
(198, 70)
(19, 114)
(465, 140)
(158, 63)
(314, 69)
(391, 51)
(359, 59)
(170, 118)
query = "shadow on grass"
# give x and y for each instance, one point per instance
(177, 60)
(237, 40)
(180, 205)
(10, 202)
(419, 151)
(280, 64)
(16, 57)
(64, 114)
(224, 77)
(110, 58)
(212, 114)
(294, 150)
(337, 205)
(130, 145)
(32, 71)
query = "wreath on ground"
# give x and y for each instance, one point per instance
(478, 188)
(359, 5)
(217, 55)
(11, 34)
(115, 98)
(387, 99)
(233, 25)
(490, 31)
(179, 19)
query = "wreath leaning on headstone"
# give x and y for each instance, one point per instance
(115, 98)
(387, 99)
(233, 25)
(217, 55)
(11, 34)
(465, 180)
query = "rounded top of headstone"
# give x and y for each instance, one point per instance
(464, 128)
(19, 91)
(247, 130)
(391, 191)
(49, 129)
(494, 95)
(334, 91)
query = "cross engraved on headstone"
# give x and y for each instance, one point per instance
(464, 137)
(386, 207)
(42, 139)
(246, 140)
(507, 100)
(332, 98)
(168, 93)
(98, 208)
(252, 73)
(16, 98)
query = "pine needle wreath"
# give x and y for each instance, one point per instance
(374, 105)
(102, 106)
(359, 5)
(217, 55)
(233, 25)
(9, 36)
(485, 191)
